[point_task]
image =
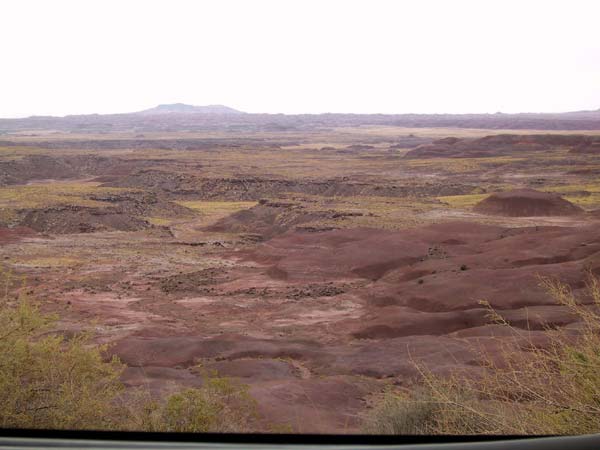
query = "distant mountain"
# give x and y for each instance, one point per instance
(182, 108)
(182, 117)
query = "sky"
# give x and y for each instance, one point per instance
(64, 57)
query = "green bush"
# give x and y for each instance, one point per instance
(47, 381)
(220, 405)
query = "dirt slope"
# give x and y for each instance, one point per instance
(526, 203)
(73, 219)
(502, 144)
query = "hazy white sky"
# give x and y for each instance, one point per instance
(72, 57)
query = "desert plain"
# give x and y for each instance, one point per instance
(317, 264)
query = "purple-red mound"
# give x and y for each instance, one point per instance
(588, 148)
(503, 144)
(526, 203)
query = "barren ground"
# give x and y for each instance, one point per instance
(316, 267)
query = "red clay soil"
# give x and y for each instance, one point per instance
(526, 203)
(439, 268)
(393, 299)
(590, 148)
(502, 144)
(10, 235)
(424, 283)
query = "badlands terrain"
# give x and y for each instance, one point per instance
(315, 258)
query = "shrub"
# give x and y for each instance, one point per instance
(47, 381)
(402, 413)
(220, 405)
(549, 389)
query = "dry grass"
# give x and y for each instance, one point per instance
(50, 194)
(159, 221)
(47, 262)
(586, 195)
(13, 153)
(438, 133)
(552, 389)
(463, 201)
(389, 213)
(213, 210)
(461, 165)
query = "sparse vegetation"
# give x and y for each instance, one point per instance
(550, 389)
(49, 381)
(221, 405)
(586, 195)
(234, 247)
(216, 207)
(18, 152)
(403, 413)
(158, 221)
(463, 201)
(33, 196)
(462, 165)
(47, 262)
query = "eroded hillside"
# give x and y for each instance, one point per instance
(316, 266)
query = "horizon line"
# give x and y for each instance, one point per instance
(35, 116)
